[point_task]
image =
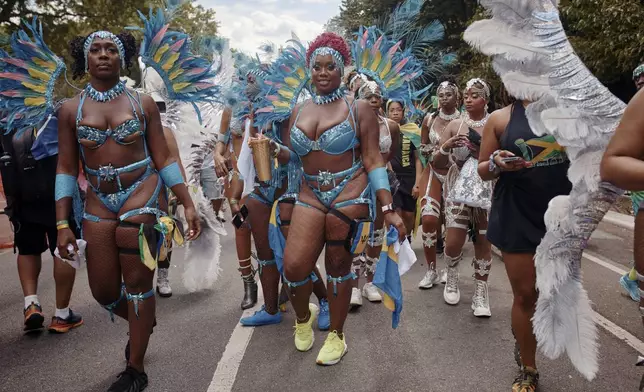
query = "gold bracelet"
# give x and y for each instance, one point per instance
(62, 226)
(233, 202)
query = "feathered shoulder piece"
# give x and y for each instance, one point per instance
(383, 60)
(187, 76)
(284, 86)
(27, 79)
(403, 24)
(536, 62)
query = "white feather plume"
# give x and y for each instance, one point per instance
(531, 53)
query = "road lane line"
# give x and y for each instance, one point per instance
(605, 264)
(226, 372)
(608, 325)
(620, 333)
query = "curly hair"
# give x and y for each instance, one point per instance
(77, 44)
(333, 41)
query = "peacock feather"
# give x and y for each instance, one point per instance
(27, 79)
(284, 86)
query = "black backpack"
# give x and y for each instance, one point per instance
(27, 182)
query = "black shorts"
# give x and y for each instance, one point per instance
(33, 239)
(404, 201)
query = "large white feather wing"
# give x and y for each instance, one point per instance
(532, 55)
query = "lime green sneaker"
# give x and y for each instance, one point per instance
(333, 350)
(304, 331)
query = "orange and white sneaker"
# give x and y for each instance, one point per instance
(64, 325)
(34, 318)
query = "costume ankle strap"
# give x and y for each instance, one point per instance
(349, 276)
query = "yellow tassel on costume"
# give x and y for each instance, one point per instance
(300, 73)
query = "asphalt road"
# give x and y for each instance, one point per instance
(436, 347)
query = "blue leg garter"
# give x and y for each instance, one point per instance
(263, 263)
(110, 308)
(140, 297)
(349, 276)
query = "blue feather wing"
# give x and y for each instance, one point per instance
(27, 79)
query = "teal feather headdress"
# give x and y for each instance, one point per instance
(382, 59)
(27, 79)
(403, 25)
(284, 86)
(187, 76)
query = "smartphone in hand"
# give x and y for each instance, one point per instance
(511, 159)
(240, 217)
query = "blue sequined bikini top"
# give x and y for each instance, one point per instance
(119, 133)
(335, 141)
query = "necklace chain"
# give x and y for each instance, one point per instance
(105, 96)
(326, 99)
(449, 117)
(475, 124)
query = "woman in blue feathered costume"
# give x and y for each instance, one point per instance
(124, 199)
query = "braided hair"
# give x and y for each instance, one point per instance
(77, 44)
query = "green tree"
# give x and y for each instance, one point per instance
(356, 13)
(610, 42)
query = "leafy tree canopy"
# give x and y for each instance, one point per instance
(62, 20)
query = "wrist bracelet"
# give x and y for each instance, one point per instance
(233, 202)
(62, 222)
(491, 164)
(63, 226)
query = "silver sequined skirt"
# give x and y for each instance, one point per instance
(470, 189)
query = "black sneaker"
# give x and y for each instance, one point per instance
(130, 380)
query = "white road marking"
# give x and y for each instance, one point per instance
(605, 264)
(226, 372)
(608, 325)
(620, 333)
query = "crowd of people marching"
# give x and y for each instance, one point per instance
(325, 146)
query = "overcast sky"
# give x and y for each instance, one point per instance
(249, 23)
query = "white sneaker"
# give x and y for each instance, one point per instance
(163, 284)
(444, 276)
(451, 293)
(481, 299)
(356, 298)
(429, 280)
(370, 292)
